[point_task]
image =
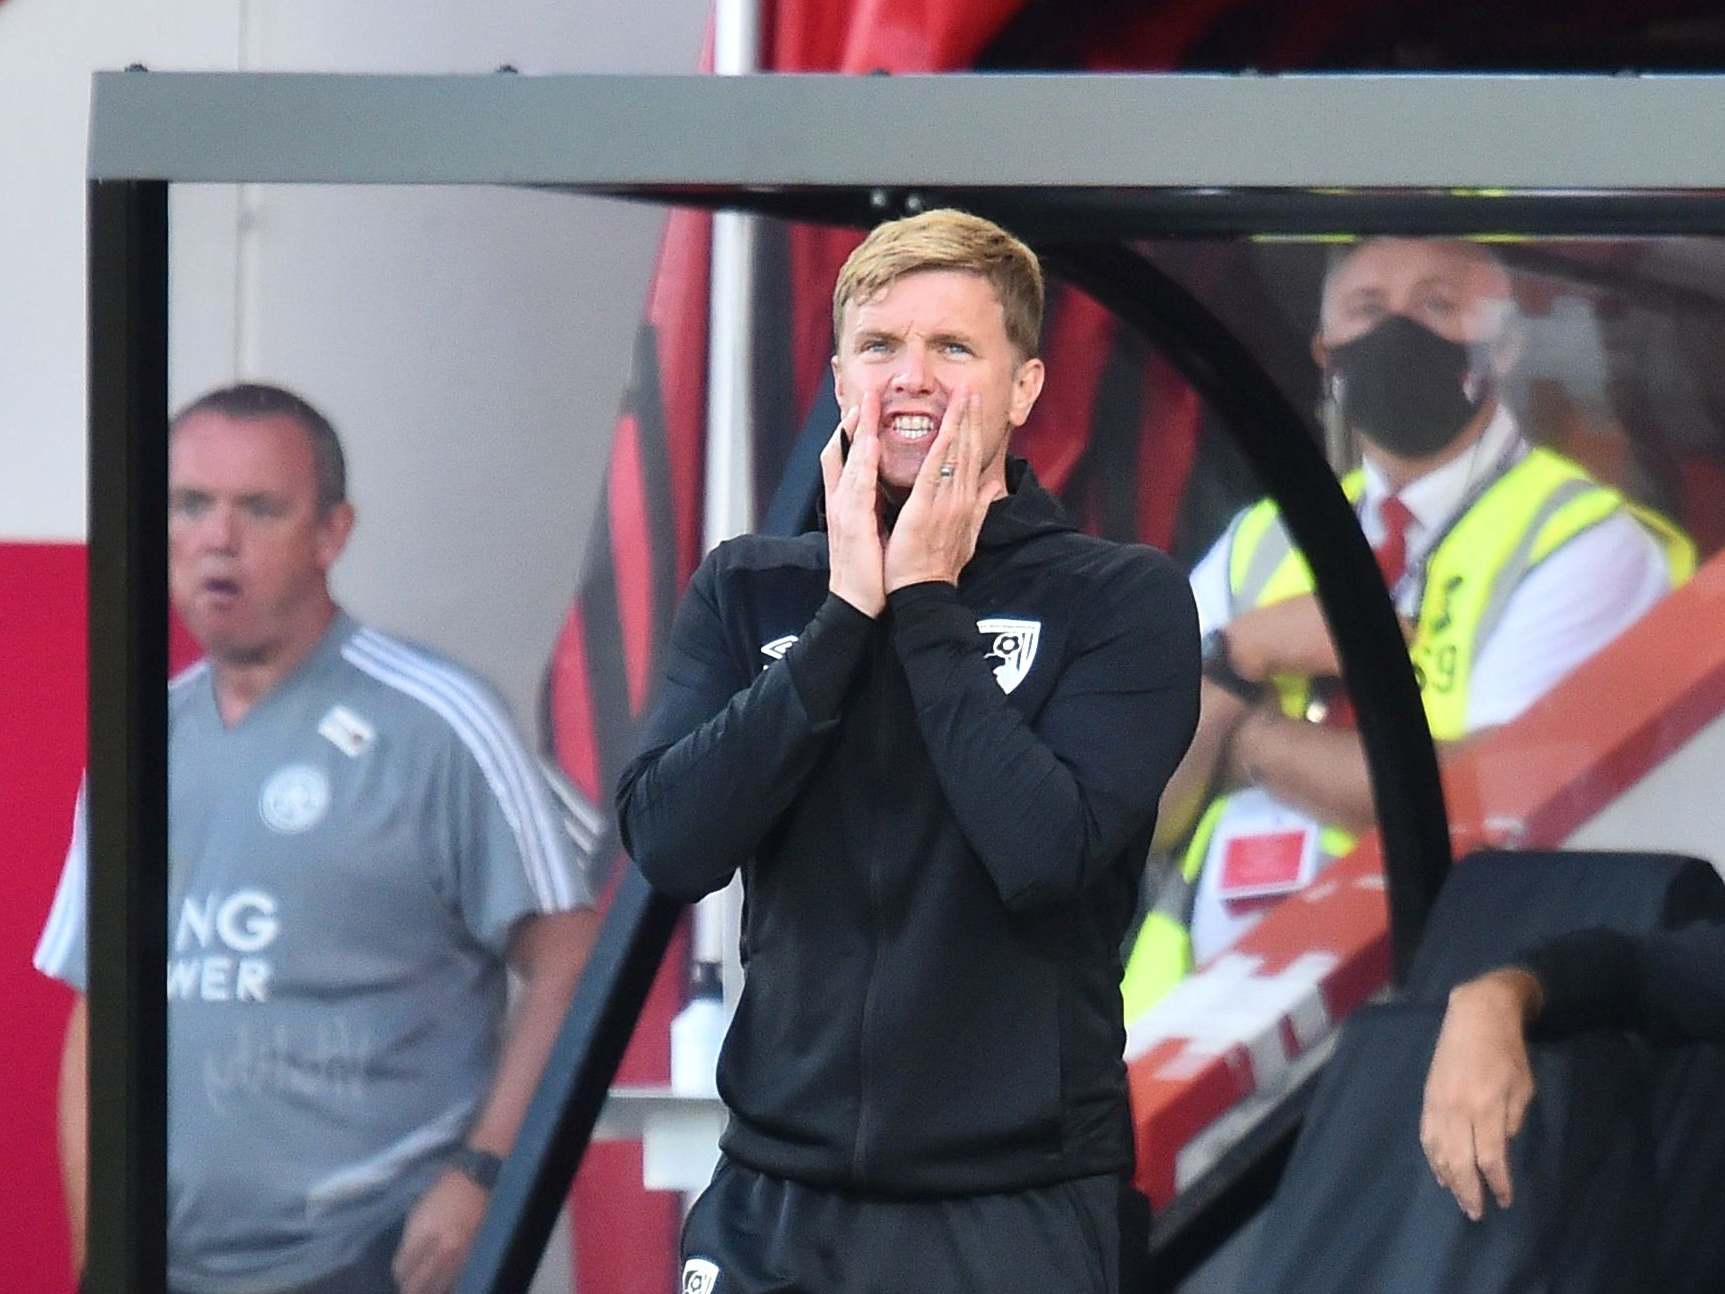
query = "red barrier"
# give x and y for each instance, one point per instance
(1231, 1033)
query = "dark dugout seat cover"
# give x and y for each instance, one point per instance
(1619, 1168)
(1498, 903)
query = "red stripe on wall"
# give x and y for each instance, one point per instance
(677, 307)
(626, 1241)
(1053, 441)
(41, 754)
(1168, 450)
(573, 731)
(630, 554)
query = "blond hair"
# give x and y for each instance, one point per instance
(946, 239)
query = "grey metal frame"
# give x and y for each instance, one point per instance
(1073, 156)
(1038, 132)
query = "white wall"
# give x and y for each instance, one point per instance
(1676, 807)
(47, 51)
(472, 345)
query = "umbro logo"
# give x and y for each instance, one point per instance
(776, 649)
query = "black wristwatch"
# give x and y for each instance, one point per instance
(478, 1166)
(1218, 666)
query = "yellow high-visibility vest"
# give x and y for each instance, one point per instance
(1520, 519)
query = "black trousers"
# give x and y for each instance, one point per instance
(749, 1233)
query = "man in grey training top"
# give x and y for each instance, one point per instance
(359, 847)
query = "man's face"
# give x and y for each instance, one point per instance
(927, 336)
(248, 548)
(1451, 289)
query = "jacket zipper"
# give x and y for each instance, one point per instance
(882, 761)
(864, 1107)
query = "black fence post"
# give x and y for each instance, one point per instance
(571, 1093)
(127, 793)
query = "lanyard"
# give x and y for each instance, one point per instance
(1512, 454)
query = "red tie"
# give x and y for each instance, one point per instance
(1392, 555)
(1392, 549)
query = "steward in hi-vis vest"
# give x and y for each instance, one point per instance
(1520, 519)
(1508, 564)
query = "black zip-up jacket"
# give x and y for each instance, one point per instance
(1666, 984)
(942, 817)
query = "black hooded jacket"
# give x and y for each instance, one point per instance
(941, 816)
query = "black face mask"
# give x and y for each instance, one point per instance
(1404, 388)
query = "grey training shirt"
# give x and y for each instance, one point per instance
(346, 865)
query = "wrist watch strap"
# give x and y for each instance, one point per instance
(1218, 667)
(479, 1166)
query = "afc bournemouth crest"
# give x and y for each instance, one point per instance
(700, 1276)
(1011, 648)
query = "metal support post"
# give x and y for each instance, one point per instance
(127, 796)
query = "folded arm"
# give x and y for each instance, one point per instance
(1667, 985)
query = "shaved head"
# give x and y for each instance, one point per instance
(1457, 289)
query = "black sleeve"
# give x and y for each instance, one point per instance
(724, 753)
(1668, 985)
(1046, 807)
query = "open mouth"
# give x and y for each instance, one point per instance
(221, 588)
(911, 426)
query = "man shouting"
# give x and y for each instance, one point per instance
(933, 738)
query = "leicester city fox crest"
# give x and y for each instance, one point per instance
(294, 799)
(1011, 648)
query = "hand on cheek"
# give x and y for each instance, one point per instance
(854, 546)
(935, 535)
